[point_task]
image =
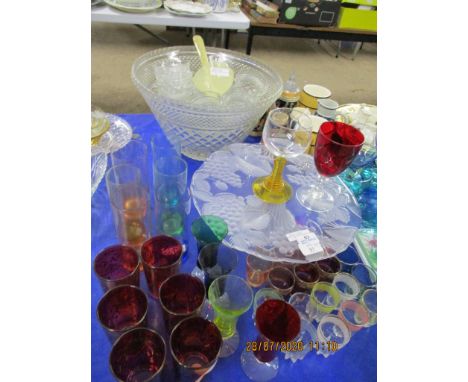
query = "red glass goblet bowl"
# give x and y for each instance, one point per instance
(277, 322)
(337, 145)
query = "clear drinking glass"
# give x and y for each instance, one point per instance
(134, 153)
(365, 275)
(307, 335)
(117, 265)
(257, 270)
(336, 146)
(129, 199)
(262, 295)
(348, 259)
(332, 335)
(354, 315)
(230, 297)
(195, 345)
(287, 134)
(123, 308)
(281, 279)
(138, 356)
(277, 322)
(324, 299)
(172, 198)
(301, 302)
(216, 260)
(347, 286)
(369, 301)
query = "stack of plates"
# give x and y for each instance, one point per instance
(135, 6)
(187, 8)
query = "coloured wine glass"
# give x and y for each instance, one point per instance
(336, 146)
(277, 322)
(230, 297)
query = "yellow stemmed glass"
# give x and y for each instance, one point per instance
(287, 134)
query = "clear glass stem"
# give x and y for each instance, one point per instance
(226, 325)
(274, 181)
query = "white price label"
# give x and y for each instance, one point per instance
(307, 241)
(219, 72)
(295, 236)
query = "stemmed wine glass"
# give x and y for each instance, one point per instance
(278, 323)
(287, 134)
(337, 145)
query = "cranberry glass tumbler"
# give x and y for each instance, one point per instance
(161, 256)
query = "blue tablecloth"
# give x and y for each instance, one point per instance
(356, 362)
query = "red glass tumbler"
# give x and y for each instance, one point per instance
(117, 265)
(181, 296)
(138, 356)
(121, 309)
(195, 345)
(161, 257)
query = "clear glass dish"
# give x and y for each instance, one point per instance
(222, 186)
(205, 124)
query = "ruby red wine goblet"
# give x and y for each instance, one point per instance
(138, 356)
(181, 296)
(195, 345)
(277, 322)
(161, 256)
(117, 265)
(122, 308)
(337, 145)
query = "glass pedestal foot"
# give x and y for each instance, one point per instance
(257, 370)
(229, 346)
(275, 195)
(315, 198)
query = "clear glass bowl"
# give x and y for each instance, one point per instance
(200, 123)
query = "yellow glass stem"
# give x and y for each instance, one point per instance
(273, 188)
(274, 181)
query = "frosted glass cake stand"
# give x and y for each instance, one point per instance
(222, 186)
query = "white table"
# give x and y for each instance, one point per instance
(223, 21)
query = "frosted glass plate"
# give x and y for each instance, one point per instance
(98, 169)
(118, 135)
(222, 186)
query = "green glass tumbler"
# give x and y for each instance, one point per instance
(230, 297)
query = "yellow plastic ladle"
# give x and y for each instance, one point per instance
(212, 79)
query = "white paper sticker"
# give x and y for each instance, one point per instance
(294, 236)
(307, 241)
(219, 72)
